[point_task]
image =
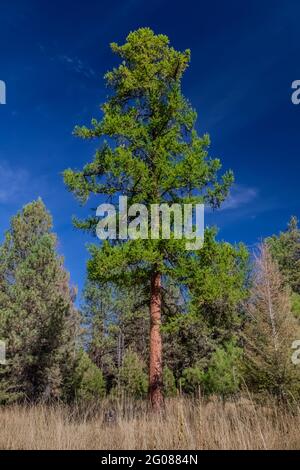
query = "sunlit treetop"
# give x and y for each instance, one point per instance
(149, 149)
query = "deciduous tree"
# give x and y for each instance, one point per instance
(270, 331)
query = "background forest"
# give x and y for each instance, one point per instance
(229, 331)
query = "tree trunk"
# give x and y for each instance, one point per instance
(155, 378)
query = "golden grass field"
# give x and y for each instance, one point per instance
(186, 424)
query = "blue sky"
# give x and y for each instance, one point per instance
(245, 55)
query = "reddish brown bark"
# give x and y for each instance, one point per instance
(155, 378)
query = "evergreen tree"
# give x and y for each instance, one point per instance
(285, 248)
(217, 286)
(88, 383)
(224, 373)
(192, 380)
(152, 155)
(38, 319)
(218, 283)
(132, 375)
(170, 389)
(99, 320)
(115, 321)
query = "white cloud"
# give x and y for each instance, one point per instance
(74, 63)
(239, 196)
(13, 182)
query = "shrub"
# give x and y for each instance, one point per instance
(170, 389)
(192, 380)
(132, 377)
(223, 375)
(89, 383)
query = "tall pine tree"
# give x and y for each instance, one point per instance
(152, 155)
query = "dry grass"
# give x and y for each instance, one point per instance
(187, 424)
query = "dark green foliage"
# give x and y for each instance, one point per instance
(218, 283)
(38, 320)
(170, 389)
(295, 300)
(187, 341)
(100, 332)
(192, 380)
(116, 320)
(285, 248)
(223, 375)
(216, 286)
(88, 382)
(133, 379)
